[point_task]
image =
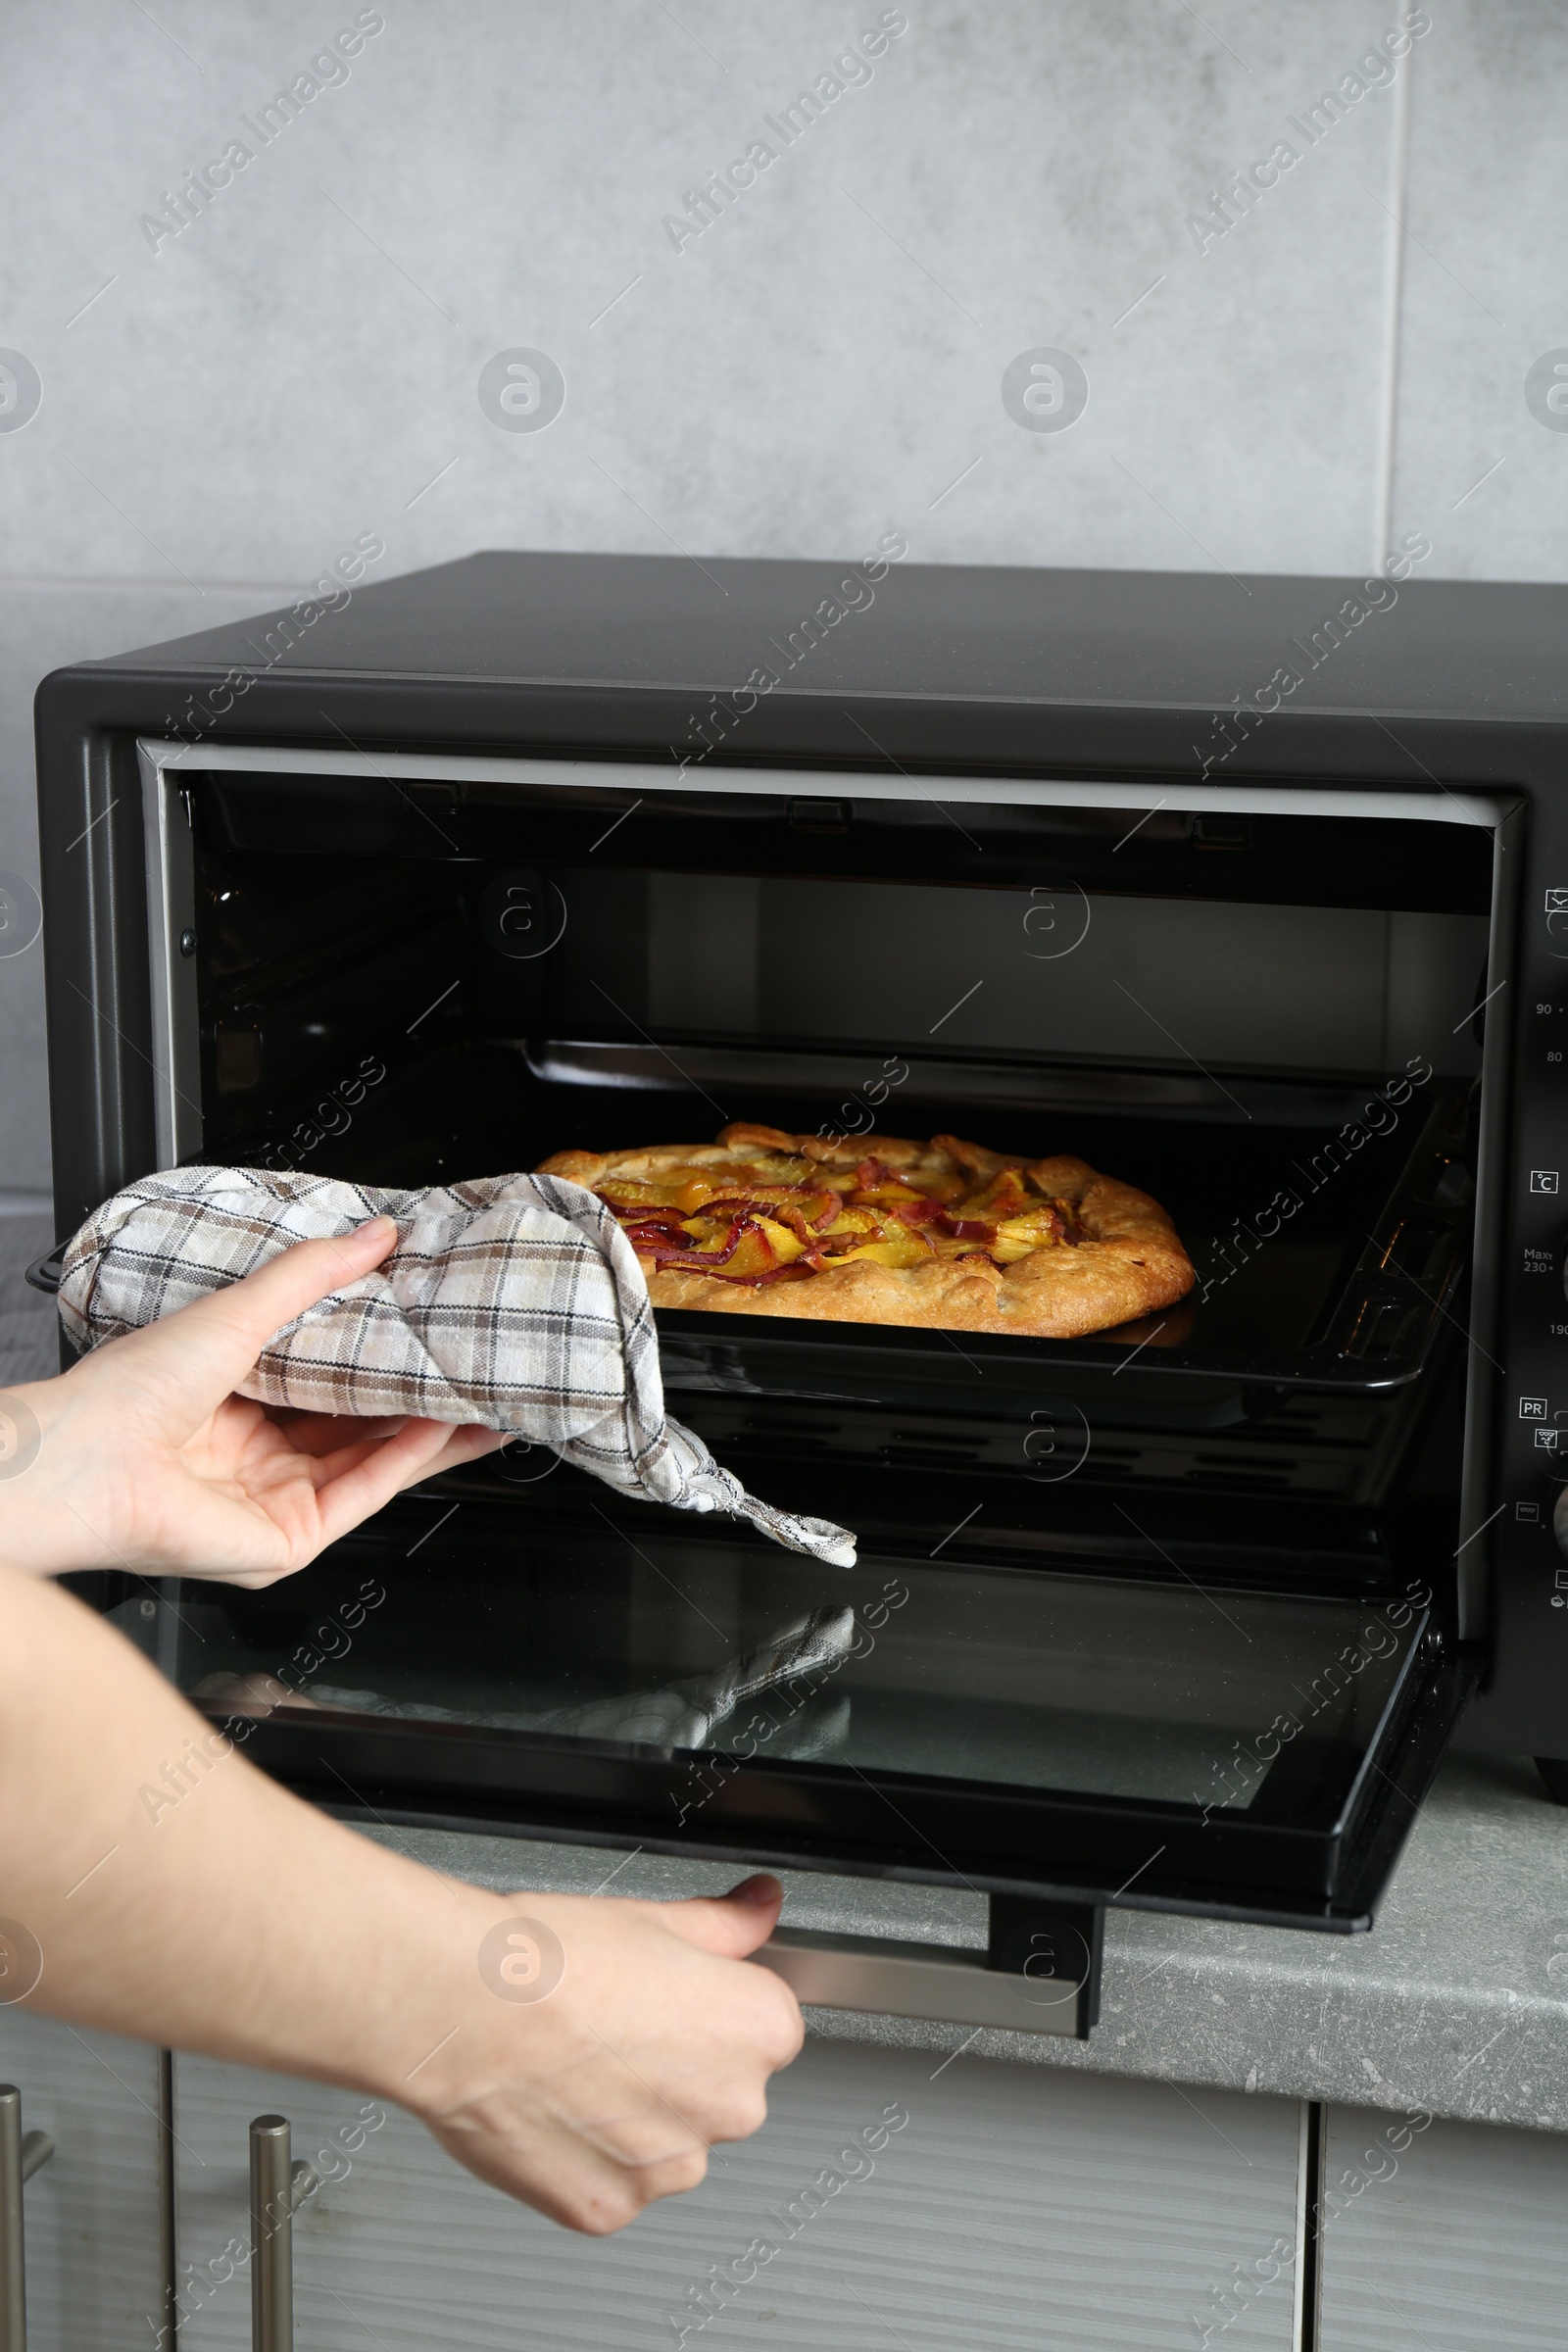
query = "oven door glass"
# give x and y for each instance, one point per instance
(588, 1667)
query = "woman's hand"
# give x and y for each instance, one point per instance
(148, 1460)
(627, 2045)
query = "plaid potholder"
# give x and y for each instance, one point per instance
(512, 1301)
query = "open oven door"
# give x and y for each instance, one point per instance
(1187, 1725)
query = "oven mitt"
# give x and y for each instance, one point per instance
(683, 1714)
(512, 1301)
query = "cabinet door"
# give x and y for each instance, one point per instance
(902, 2198)
(93, 2244)
(1458, 2249)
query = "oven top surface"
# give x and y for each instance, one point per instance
(893, 628)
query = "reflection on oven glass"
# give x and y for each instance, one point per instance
(1083, 1683)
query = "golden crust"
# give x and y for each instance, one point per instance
(1129, 1263)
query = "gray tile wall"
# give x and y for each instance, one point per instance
(226, 405)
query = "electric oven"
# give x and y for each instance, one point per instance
(1253, 893)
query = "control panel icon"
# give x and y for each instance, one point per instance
(1557, 901)
(1530, 1513)
(1543, 1180)
(1532, 1408)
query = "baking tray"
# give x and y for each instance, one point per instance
(1351, 1293)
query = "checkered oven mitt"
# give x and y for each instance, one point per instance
(511, 1300)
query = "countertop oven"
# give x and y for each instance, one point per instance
(534, 850)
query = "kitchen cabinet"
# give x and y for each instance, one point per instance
(94, 2263)
(894, 2197)
(909, 2199)
(1458, 2249)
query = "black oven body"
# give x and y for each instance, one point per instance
(434, 878)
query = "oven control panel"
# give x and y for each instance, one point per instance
(1527, 1539)
(1535, 1298)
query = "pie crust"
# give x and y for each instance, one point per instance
(1084, 1253)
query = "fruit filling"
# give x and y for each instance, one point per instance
(779, 1218)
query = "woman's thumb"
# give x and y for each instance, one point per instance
(732, 1925)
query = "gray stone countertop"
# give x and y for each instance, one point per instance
(1458, 2001)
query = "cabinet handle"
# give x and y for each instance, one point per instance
(279, 2186)
(19, 2158)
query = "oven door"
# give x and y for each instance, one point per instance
(1180, 1614)
(1183, 1736)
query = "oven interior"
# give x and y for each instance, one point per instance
(1117, 1556)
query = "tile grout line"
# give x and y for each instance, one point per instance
(1394, 298)
(143, 586)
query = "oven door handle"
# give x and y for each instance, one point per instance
(1041, 1974)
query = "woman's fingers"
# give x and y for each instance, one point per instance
(326, 1434)
(206, 1349)
(335, 1445)
(470, 1444)
(273, 1510)
(560, 2174)
(431, 1448)
(384, 1471)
